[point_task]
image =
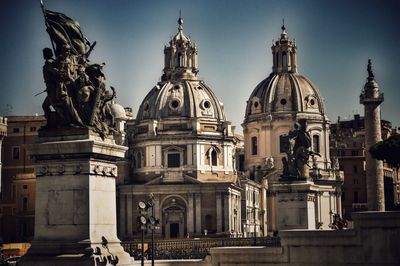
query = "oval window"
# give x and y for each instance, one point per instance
(312, 102)
(146, 106)
(255, 104)
(207, 104)
(283, 101)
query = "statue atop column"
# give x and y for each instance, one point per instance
(297, 145)
(76, 92)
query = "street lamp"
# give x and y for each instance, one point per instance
(142, 219)
(148, 221)
(255, 223)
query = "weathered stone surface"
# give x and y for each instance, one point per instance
(76, 202)
(373, 241)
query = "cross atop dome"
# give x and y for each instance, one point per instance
(180, 21)
(284, 36)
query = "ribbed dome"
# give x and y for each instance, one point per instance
(285, 92)
(180, 94)
(188, 98)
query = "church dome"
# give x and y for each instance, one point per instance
(188, 99)
(118, 111)
(180, 94)
(284, 91)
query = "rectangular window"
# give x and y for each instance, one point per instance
(355, 197)
(283, 143)
(25, 186)
(25, 204)
(315, 143)
(355, 169)
(15, 153)
(15, 130)
(33, 129)
(354, 153)
(254, 146)
(174, 160)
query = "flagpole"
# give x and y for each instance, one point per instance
(47, 26)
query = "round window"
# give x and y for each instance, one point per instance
(312, 102)
(255, 104)
(283, 101)
(207, 104)
(174, 104)
(146, 106)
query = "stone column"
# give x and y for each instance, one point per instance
(122, 216)
(371, 98)
(219, 211)
(198, 212)
(75, 216)
(129, 215)
(190, 216)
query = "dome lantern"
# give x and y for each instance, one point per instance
(284, 54)
(180, 57)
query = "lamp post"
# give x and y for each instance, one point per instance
(254, 210)
(142, 206)
(153, 222)
(147, 221)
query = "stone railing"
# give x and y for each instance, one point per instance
(193, 248)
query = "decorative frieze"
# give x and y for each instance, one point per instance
(60, 168)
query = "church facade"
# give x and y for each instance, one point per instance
(282, 99)
(182, 150)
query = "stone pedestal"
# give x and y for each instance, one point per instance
(295, 204)
(75, 217)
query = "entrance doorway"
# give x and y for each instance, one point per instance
(174, 217)
(174, 230)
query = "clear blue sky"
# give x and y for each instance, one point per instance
(334, 39)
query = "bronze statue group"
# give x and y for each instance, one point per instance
(76, 92)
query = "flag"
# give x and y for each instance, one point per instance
(66, 31)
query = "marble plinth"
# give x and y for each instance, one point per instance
(75, 215)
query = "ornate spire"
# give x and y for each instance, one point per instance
(369, 69)
(283, 26)
(284, 36)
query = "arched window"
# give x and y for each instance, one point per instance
(254, 146)
(180, 60)
(284, 59)
(315, 143)
(138, 160)
(214, 158)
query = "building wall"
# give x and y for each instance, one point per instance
(268, 141)
(195, 207)
(347, 144)
(17, 201)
